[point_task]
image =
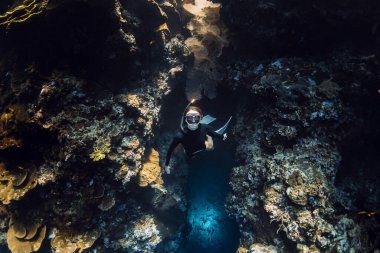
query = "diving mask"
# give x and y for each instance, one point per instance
(193, 119)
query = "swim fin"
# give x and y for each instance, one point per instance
(223, 128)
(207, 120)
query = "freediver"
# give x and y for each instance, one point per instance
(194, 136)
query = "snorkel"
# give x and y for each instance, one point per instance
(182, 124)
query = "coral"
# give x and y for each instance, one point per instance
(10, 121)
(133, 101)
(23, 12)
(78, 114)
(151, 170)
(241, 250)
(8, 142)
(100, 151)
(305, 249)
(16, 182)
(261, 248)
(209, 37)
(7, 121)
(143, 236)
(23, 238)
(297, 195)
(289, 151)
(70, 241)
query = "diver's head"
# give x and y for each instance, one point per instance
(193, 117)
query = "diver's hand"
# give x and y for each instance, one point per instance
(168, 168)
(224, 136)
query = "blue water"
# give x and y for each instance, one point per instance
(211, 230)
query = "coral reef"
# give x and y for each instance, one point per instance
(77, 122)
(83, 85)
(291, 132)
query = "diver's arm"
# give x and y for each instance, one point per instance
(176, 140)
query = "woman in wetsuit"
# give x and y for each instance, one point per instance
(194, 136)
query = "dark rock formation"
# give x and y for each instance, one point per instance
(295, 27)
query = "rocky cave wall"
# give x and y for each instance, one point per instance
(81, 89)
(308, 78)
(294, 132)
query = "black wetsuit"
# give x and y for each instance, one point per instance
(192, 141)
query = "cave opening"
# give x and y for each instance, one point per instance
(205, 178)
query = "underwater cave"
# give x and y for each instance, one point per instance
(92, 93)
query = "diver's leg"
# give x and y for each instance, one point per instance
(209, 143)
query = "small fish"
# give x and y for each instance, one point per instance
(369, 214)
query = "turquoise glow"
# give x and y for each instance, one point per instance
(211, 230)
